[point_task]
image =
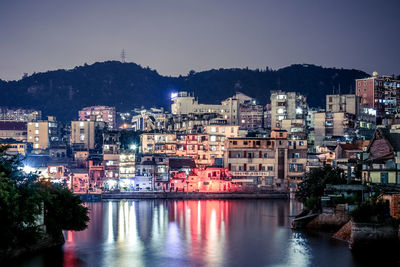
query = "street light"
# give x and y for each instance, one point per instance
(133, 147)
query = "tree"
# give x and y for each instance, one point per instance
(313, 185)
(24, 198)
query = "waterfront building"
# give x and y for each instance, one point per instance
(80, 180)
(381, 162)
(96, 168)
(382, 94)
(271, 163)
(100, 113)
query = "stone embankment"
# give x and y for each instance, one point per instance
(182, 195)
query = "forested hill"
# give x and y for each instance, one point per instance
(127, 85)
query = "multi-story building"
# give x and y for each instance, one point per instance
(381, 93)
(14, 147)
(272, 163)
(20, 114)
(13, 129)
(43, 134)
(251, 115)
(100, 113)
(348, 103)
(185, 103)
(331, 128)
(86, 135)
(158, 143)
(153, 119)
(267, 117)
(287, 105)
(382, 159)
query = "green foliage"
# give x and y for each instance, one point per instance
(313, 185)
(23, 199)
(63, 210)
(373, 211)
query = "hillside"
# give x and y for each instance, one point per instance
(127, 85)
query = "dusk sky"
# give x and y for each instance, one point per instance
(175, 36)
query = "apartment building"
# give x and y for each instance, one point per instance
(43, 134)
(272, 163)
(100, 113)
(381, 93)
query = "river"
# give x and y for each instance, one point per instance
(195, 233)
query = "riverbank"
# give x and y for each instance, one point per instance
(181, 195)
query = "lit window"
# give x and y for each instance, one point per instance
(81, 124)
(213, 129)
(82, 137)
(36, 131)
(213, 138)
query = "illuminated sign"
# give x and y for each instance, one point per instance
(250, 174)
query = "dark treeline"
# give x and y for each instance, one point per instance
(127, 85)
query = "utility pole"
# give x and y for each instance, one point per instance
(123, 56)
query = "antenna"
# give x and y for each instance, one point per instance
(123, 56)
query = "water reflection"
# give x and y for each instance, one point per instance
(195, 233)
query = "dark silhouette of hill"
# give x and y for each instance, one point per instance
(127, 85)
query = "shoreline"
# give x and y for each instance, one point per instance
(181, 196)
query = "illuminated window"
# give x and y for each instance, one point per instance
(36, 131)
(81, 124)
(213, 138)
(213, 129)
(82, 137)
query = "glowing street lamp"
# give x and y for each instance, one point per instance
(133, 147)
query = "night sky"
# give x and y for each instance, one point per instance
(175, 36)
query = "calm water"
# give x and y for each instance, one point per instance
(195, 233)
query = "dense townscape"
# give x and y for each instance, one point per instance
(237, 145)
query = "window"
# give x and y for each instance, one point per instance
(296, 155)
(252, 168)
(232, 130)
(299, 167)
(213, 129)
(292, 167)
(213, 138)
(82, 137)
(36, 138)
(37, 125)
(81, 124)
(384, 178)
(36, 131)
(270, 168)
